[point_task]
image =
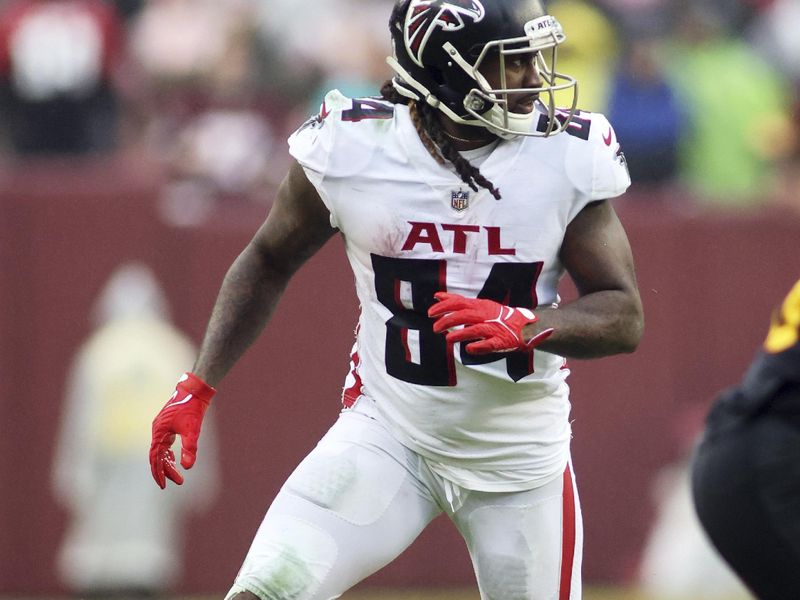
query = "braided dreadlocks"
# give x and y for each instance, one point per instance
(430, 131)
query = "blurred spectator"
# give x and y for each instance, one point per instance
(207, 108)
(358, 66)
(774, 36)
(124, 536)
(183, 42)
(343, 47)
(590, 52)
(738, 106)
(57, 62)
(643, 106)
(225, 152)
(128, 8)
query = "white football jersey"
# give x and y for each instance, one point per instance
(411, 227)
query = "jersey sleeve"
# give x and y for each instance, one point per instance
(336, 148)
(596, 164)
(312, 145)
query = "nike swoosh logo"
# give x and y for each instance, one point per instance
(184, 401)
(607, 138)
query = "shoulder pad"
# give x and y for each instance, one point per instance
(340, 139)
(597, 164)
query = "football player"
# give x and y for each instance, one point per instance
(463, 193)
(745, 475)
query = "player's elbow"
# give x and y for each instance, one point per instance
(632, 329)
(630, 343)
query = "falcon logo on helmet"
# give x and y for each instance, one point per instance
(424, 16)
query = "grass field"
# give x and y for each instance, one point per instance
(472, 594)
(456, 594)
(590, 593)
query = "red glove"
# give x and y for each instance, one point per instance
(497, 327)
(182, 415)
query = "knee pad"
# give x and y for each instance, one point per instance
(517, 550)
(504, 577)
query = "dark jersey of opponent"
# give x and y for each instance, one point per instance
(772, 383)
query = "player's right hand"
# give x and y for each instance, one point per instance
(182, 415)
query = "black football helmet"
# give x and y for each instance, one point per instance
(439, 46)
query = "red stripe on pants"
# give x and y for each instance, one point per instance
(568, 541)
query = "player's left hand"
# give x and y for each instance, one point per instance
(497, 327)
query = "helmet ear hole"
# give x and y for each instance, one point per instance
(475, 51)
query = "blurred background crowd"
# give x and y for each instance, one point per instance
(704, 94)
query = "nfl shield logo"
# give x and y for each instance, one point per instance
(459, 200)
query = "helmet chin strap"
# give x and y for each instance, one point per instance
(512, 124)
(401, 89)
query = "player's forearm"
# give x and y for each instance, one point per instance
(595, 325)
(245, 302)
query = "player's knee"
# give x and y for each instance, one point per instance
(243, 596)
(503, 577)
(520, 576)
(293, 559)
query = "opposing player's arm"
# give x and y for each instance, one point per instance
(296, 227)
(607, 316)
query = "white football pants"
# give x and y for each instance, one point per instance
(360, 498)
